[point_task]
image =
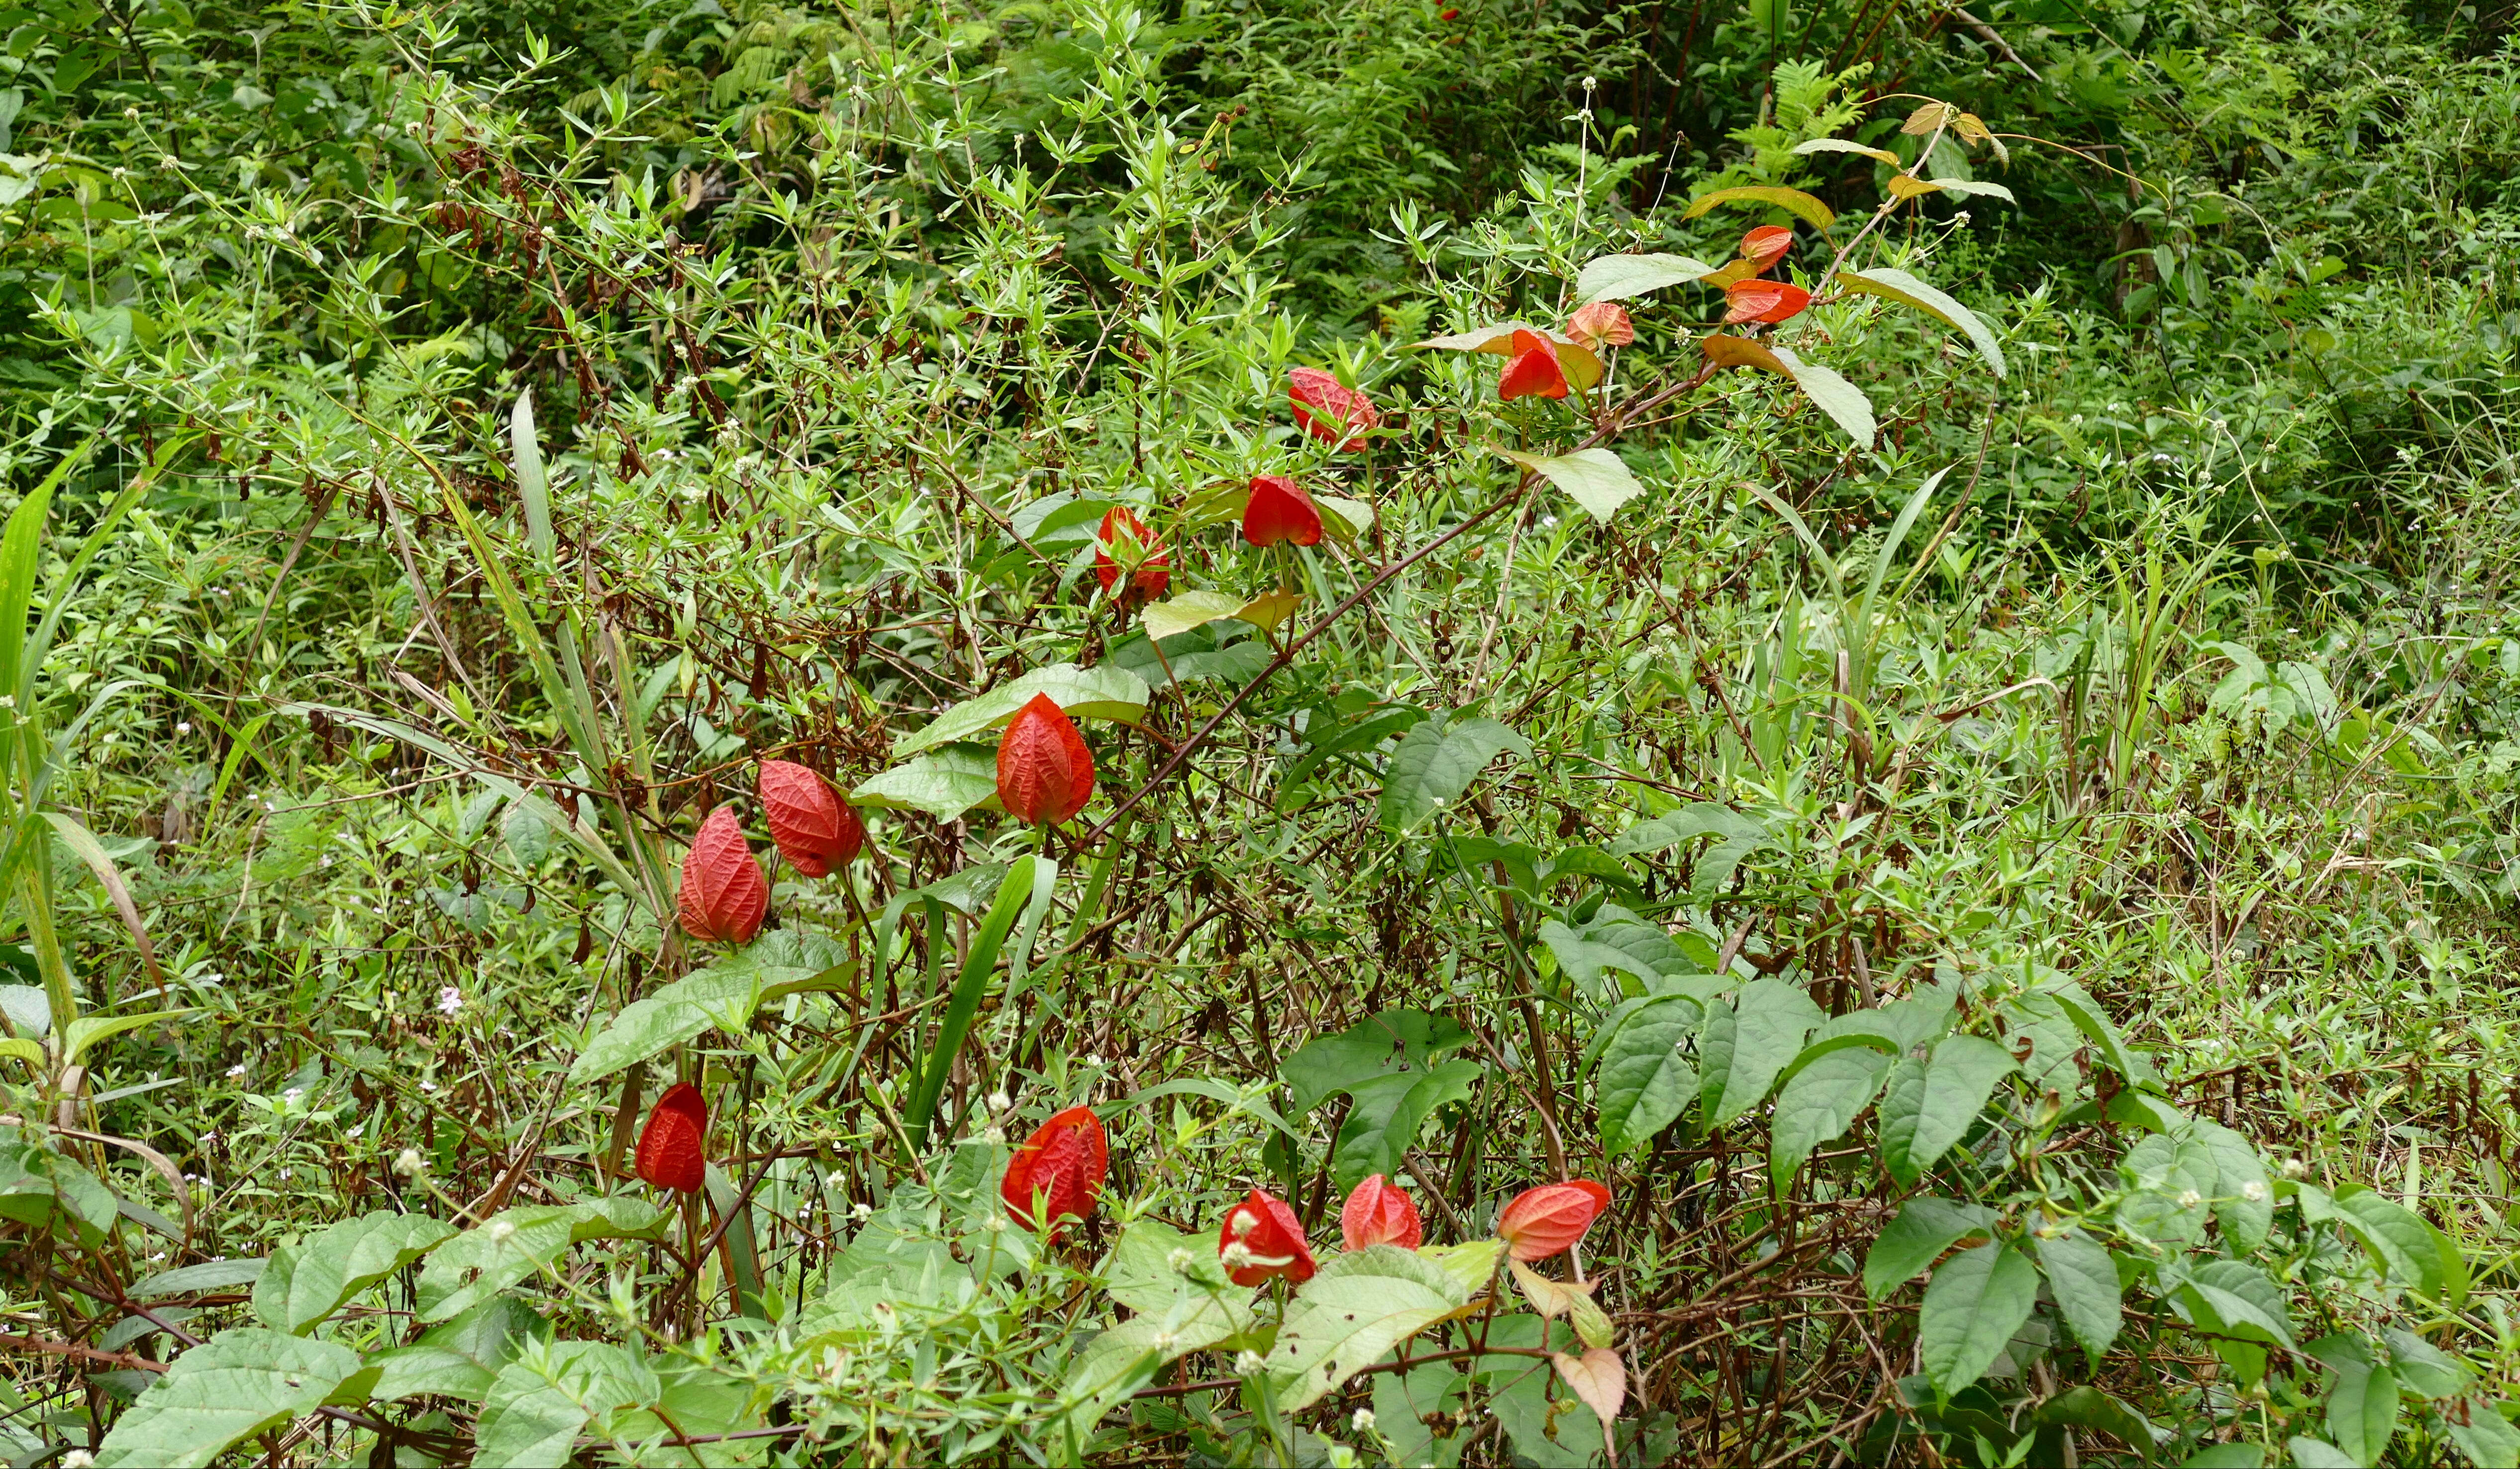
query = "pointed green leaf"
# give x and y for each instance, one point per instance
(310, 1280)
(1099, 692)
(2084, 1279)
(1908, 291)
(230, 1388)
(1925, 1229)
(1595, 478)
(1830, 1085)
(1792, 200)
(1974, 1304)
(1645, 1080)
(2363, 1412)
(943, 783)
(1615, 278)
(1435, 763)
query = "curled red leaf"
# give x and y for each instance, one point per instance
(1766, 245)
(1378, 1213)
(1278, 511)
(673, 1147)
(1330, 410)
(1603, 324)
(1533, 371)
(815, 830)
(1062, 1164)
(1548, 1219)
(1757, 301)
(1261, 1239)
(722, 895)
(1045, 771)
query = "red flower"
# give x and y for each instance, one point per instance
(1141, 555)
(815, 830)
(1261, 1239)
(1448, 15)
(1766, 245)
(1313, 391)
(1533, 372)
(1278, 511)
(673, 1148)
(1377, 1214)
(1045, 771)
(1764, 302)
(1063, 1164)
(722, 895)
(1603, 324)
(1546, 1220)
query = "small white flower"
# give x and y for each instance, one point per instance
(2253, 1191)
(2189, 1198)
(1236, 1256)
(1362, 1421)
(1250, 1365)
(2293, 1169)
(1092, 1060)
(428, 1085)
(449, 1000)
(409, 1163)
(999, 1101)
(290, 1097)
(1179, 1262)
(1165, 1341)
(994, 1136)
(997, 1223)
(860, 1211)
(183, 726)
(236, 1071)
(78, 1458)
(501, 1230)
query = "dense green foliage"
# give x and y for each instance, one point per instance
(1982, 813)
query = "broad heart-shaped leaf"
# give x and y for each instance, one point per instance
(1905, 289)
(1359, 1306)
(1190, 609)
(2399, 1238)
(1974, 1304)
(515, 1243)
(1644, 1081)
(1618, 277)
(2239, 1300)
(2363, 1411)
(1389, 1112)
(1629, 948)
(1843, 402)
(944, 784)
(1957, 1079)
(2424, 1368)
(2244, 1219)
(1593, 478)
(307, 1282)
(1925, 1229)
(1140, 1273)
(230, 1387)
(1769, 1021)
(1101, 693)
(1832, 1082)
(1792, 200)
(2084, 1279)
(1377, 1046)
(532, 1413)
(674, 1014)
(1436, 761)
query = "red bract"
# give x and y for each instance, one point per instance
(1533, 372)
(1448, 15)
(1764, 302)
(1766, 245)
(673, 1148)
(1062, 1164)
(722, 895)
(1278, 511)
(815, 830)
(1262, 1239)
(1341, 408)
(1045, 771)
(1377, 1214)
(1546, 1220)
(1603, 324)
(1140, 554)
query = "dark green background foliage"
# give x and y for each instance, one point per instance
(2017, 908)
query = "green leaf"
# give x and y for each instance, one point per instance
(230, 1388)
(1359, 1306)
(1139, 1272)
(533, 486)
(1126, 1358)
(1436, 762)
(944, 784)
(1389, 1110)
(2239, 1299)
(1840, 145)
(1189, 610)
(532, 1416)
(2086, 1406)
(1978, 187)
(1374, 1047)
(1974, 1304)
(1901, 1098)
(1473, 1263)
(2247, 1220)
(674, 1014)
(2084, 1279)
(2424, 1369)
(1618, 278)
(410, 1371)
(1958, 1078)
(1843, 402)
(2226, 1456)
(217, 1275)
(1595, 478)
(1770, 1019)
(1830, 1084)
(1100, 692)
(1908, 291)
(1925, 1229)
(2363, 1412)
(1645, 1080)
(2397, 1236)
(2131, 1065)
(87, 1029)
(2318, 1453)
(310, 1280)
(1792, 200)
(2487, 1438)
(515, 1243)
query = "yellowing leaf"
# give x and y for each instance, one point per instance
(1909, 186)
(1926, 118)
(1600, 1379)
(1190, 609)
(1843, 402)
(1267, 609)
(1593, 478)
(1793, 200)
(1551, 1298)
(1977, 187)
(1908, 291)
(1740, 351)
(1840, 145)
(1731, 275)
(1348, 518)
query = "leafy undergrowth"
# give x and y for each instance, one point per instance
(865, 740)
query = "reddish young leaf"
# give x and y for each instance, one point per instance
(1546, 1220)
(1045, 771)
(1378, 1214)
(1766, 245)
(1261, 1239)
(1533, 371)
(1603, 324)
(1062, 1164)
(1125, 546)
(1330, 410)
(723, 896)
(815, 830)
(1278, 511)
(1758, 301)
(673, 1147)
(1448, 14)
